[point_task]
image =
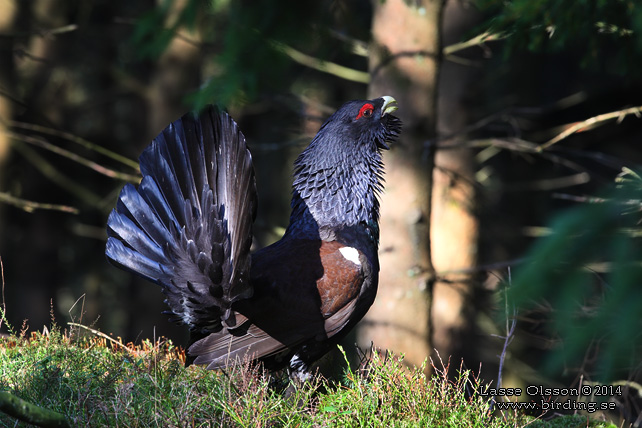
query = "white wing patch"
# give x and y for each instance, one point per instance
(351, 254)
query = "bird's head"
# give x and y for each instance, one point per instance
(355, 133)
(360, 124)
(338, 176)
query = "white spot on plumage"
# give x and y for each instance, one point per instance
(351, 254)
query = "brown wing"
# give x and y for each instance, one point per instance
(342, 278)
(303, 290)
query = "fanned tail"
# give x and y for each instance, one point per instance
(188, 226)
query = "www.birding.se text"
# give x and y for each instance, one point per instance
(555, 405)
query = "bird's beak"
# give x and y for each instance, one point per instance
(389, 105)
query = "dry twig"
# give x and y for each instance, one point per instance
(77, 140)
(589, 123)
(41, 142)
(31, 206)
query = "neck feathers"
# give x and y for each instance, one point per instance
(333, 193)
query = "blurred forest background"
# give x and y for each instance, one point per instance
(508, 221)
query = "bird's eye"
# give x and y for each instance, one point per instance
(365, 111)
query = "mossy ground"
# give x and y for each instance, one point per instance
(94, 380)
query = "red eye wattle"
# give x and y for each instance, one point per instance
(365, 111)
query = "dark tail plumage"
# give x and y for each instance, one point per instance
(188, 226)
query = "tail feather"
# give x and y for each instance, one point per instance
(188, 226)
(128, 259)
(135, 207)
(151, 193)
(237, 199)
(127, 232)
(155, 163)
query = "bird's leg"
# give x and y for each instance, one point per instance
(299, 371)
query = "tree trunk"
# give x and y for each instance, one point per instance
(404, 63)
(454, 226)
(8, 13)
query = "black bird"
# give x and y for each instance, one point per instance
(188, 228)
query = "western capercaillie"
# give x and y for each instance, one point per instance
(188, 228)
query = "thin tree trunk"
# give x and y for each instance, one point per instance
(8, 13)
(404, 63)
